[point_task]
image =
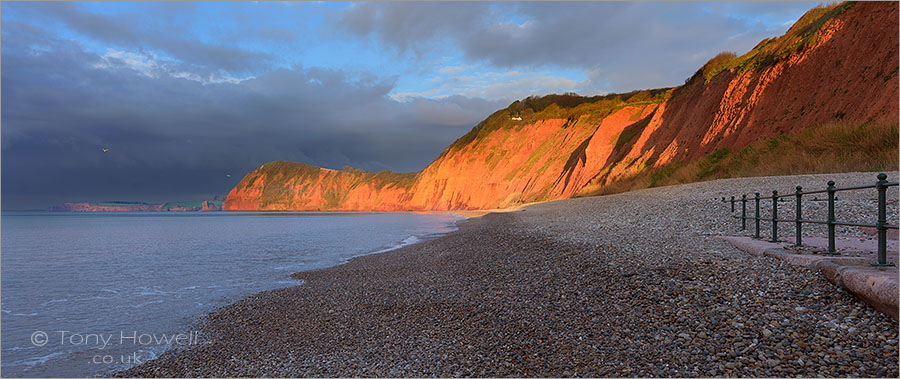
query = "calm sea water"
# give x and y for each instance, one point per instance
(86, 294)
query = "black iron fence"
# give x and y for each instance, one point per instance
(881, 225)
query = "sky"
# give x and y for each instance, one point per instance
(187, 98)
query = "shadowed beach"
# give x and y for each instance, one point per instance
(634, 284)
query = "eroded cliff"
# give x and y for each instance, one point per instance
(836, 63)
(280, 186)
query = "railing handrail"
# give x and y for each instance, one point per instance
(837, 189)
(886, 226)
(881, 225)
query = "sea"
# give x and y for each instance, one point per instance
(89, 294)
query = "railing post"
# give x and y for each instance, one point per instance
(882, 221)
(757, 214)
(775, 216)
(743, 212)
(831, 247)
(799, 240)
(732, 204)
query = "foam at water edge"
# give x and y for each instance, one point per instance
(33, 361)
(452, 227)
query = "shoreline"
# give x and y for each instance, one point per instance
(551, 291)
(476, 213)
(429, 237)
(199, 323)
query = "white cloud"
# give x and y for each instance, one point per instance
(145, 64)
(151, 66)
(493, 85)
(523, 87)
(454, 69)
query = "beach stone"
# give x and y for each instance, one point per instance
(598, 286)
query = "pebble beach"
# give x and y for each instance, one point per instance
(633, 284)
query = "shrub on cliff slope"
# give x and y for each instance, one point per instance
(804, 33)
(714, 66)
(839, 146)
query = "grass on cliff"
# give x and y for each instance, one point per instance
(570, 106)
(839, 146)
(383, 178)
(804, 33)
(283, 177)
(715, 65)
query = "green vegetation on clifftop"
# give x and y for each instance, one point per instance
(568, 106)
(804, 33)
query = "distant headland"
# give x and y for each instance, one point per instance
(135, 206)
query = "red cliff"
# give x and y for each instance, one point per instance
(280, 186)
(836, 63)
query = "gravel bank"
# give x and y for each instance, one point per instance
(633, 284)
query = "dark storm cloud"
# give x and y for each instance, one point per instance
(125, 31)
(177, 115)
(172, 138)
(621, 46)
(406, 26)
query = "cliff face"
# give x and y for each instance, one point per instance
(846, 71)
(835, 63)
(526, 162)
(281, 186)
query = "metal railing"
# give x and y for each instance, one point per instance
(881, 225)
